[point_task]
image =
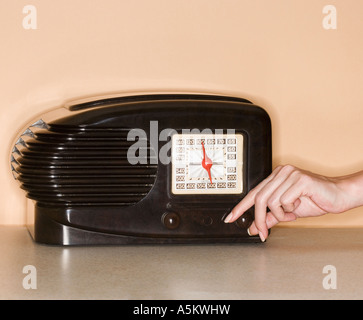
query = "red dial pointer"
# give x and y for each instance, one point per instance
(207, 163)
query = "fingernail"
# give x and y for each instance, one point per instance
(261, 236)
(248, 231)
(228, 218)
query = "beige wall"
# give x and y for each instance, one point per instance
(275, 53)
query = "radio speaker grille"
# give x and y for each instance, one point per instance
(73, 165)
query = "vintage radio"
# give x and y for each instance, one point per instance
(156, 168)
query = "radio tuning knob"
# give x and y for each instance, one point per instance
(171, 220)
(244, 221)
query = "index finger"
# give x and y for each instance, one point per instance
(249, 200)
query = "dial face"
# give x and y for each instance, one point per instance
(207, 164)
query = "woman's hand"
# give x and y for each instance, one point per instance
(291, 193)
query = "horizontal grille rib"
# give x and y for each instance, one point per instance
(73, 166)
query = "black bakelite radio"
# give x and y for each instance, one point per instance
(146, 169)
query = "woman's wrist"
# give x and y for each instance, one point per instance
(352, 188)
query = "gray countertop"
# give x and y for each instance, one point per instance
(290, 265)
